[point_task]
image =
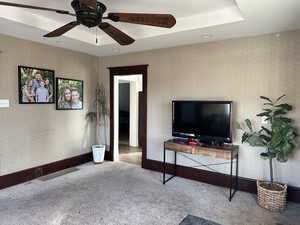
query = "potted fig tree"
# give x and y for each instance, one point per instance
(278, 138)
(99, 116)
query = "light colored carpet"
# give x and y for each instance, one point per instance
(124, 194)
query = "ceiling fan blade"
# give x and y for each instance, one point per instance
(158, 20)
(36, 7)
(91, 3)
(116, 34)
(60, 31)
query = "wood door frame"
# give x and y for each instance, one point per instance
(125, 71)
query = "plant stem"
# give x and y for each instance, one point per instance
(271, 169)
(104, 125)
(97, 120)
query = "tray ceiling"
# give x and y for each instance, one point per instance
(197, 21)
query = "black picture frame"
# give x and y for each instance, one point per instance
(28, 74)
(63, 84)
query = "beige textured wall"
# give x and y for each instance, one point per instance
(240, 70)
(32, 135)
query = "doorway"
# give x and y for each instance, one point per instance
(127, 99)
(124, 111)
(128, 136)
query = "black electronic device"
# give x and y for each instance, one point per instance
(208, 121)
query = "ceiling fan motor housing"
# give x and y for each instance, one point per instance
(88, 16)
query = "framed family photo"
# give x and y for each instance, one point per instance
(36, 86)
(69, 94)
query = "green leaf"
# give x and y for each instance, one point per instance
(265, 137)
(287, 148)
(263, 114)
(286, 107)
(266, 130)
(245, 137)
(91, 116)
(248, 122)
(266, 98)
(268, 110)
(237, 125)
(270, 104)
(281, 157)
(267, 155)
(254, 140)
(284, 119)
(278, 99)
(264, 155)
(279, 112)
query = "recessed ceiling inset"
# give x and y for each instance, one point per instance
(90, 13)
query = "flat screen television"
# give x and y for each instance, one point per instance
(207, 121)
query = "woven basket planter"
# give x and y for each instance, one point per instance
(273, 200)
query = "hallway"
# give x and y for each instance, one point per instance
(129, 154)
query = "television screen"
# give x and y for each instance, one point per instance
(202, 119)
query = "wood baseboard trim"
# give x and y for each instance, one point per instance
(35, 172)
(245, 184)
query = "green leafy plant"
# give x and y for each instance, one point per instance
(279, 138)
(101, 110)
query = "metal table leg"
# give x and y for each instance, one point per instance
(232, 192)
(233, 181)
(237, 172)
(230, 185)
(175, 166)
(164, 166)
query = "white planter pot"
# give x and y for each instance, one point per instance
(98, 153)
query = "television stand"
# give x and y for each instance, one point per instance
(227, 152)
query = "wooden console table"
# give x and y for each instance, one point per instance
(226, 152)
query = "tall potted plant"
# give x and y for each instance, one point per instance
(279, 140)
(100, 117)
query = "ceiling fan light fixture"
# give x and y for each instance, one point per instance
(90, 14)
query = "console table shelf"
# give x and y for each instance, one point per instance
(226, 152)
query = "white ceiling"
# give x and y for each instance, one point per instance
(197, 21)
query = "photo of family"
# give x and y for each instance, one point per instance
(36, 85)
(69, 94)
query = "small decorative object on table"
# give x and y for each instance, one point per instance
(279, 139)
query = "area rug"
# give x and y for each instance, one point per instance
(194, 220)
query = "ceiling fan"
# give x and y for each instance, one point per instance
(90, 13)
